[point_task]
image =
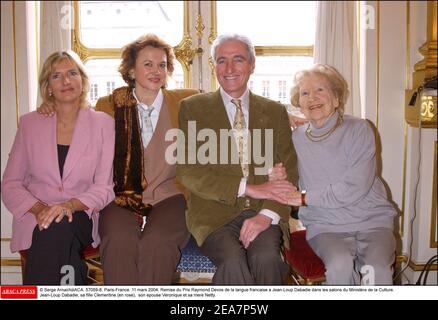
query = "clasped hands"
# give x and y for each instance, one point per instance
(277, 189)
(47, 214)
(289, 197)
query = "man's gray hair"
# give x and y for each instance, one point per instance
(230, 37)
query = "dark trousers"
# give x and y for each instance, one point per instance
(132, 257)
(54, 249)
(259, 264)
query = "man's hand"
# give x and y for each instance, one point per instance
(252, 227)
(295, 122)
(272, 190)
(277, 172)
(47, 110)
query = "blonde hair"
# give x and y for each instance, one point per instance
(47, 69)
(336, 81)
(131, 50)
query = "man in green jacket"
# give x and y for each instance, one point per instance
(235, 214)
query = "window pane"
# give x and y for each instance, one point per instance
(108, 24)
(273, 23)
(104, 77)
(273, 76)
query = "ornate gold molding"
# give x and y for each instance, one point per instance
(422, 113)
(414, 265)
(211, 38)
(199, 27)
(83, 51)
(213, 24)
(284, 51)
(429, 49)
(183, 52)
(260, 50)
(10, 262)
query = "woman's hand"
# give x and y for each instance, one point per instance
(47, 110)
(55, 212)
(272, 190)
(294, 198)
(277, 172)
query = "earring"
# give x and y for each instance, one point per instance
(50, 93)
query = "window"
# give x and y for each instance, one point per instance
(265, 88)
(283, 42)
(179, 84)
(102, 28)
(282, 32)
(251, 85)
(94, 92)
(113, 24)
(110, 86)
(281, 90)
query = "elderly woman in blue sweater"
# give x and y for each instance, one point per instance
(342, 202)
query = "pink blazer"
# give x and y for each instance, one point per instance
(32, 171)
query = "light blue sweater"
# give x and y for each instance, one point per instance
(344, 193)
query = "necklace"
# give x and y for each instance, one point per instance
(325, 135)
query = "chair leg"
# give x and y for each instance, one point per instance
(23, 267)
(95, 271)
(295, 279)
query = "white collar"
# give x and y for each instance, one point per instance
(244, 99)
(156, 104)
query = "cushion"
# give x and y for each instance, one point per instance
(89, 252)
(192, 260)
(302, 258)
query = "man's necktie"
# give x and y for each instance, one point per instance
(146, 130)
(239, 126)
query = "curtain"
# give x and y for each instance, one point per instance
(336, 45)
(56, 25)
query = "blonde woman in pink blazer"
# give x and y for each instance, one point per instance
(59, 175)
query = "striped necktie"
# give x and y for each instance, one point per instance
(147, 129)
(239, 126)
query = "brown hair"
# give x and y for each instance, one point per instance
(131, 50)
(46, 71)
(337, 83)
